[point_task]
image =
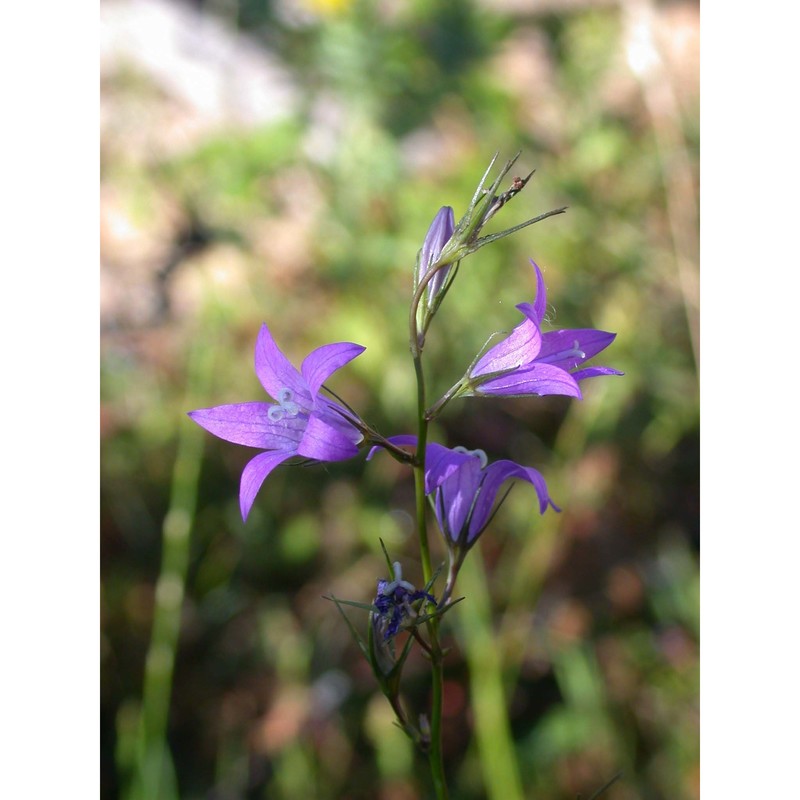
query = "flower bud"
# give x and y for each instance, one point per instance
(438, 235)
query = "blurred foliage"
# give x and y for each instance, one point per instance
(312, 223)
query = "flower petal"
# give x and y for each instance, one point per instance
(438, 235)
(455, 497)
(250, 425)
(337, 417)
(436, 238)
(255, 472)
(324, 442)
(540, 303)
(276, 372)
(571, 347)
(494, 476)
(538, 379)
(440, 463)
(321, 363)
(520, 347)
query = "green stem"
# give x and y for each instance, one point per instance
(419, 473)
(437, 671)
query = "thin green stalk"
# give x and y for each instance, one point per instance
(437, 671)
(489, 704)
(153, 779)
(419, 473)
(437, 407)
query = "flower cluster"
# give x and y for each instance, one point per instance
(461, 485)
(304, 422)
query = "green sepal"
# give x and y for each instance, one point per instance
(362, 645)
(389, 563)
(440, 612)
(484, 205)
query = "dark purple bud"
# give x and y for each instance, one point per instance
(438, 235)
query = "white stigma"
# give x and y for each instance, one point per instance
(285, 407)
(276, 413)
(479, 454)
(398, 581)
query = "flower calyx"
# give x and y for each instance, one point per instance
(394, 604)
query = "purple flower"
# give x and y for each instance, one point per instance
(301, 422)
(393, 603)
(530, 362)
(465, 488)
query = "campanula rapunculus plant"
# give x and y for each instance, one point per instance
(460, 485)
(302, 422)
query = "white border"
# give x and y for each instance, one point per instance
(750, 179)
(49, 163)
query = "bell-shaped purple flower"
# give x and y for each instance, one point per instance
(529, 362)
(466, 488)
(302, 422)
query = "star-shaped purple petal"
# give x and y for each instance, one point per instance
(530, 362)
(301, 422)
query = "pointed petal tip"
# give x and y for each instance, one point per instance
(322, 362)
(264, 331)
(254, 474)
(195, 416)
(540, 301)
(246, 501)
(198, 416)
(536, 269)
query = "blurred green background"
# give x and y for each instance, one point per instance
(281, 162)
